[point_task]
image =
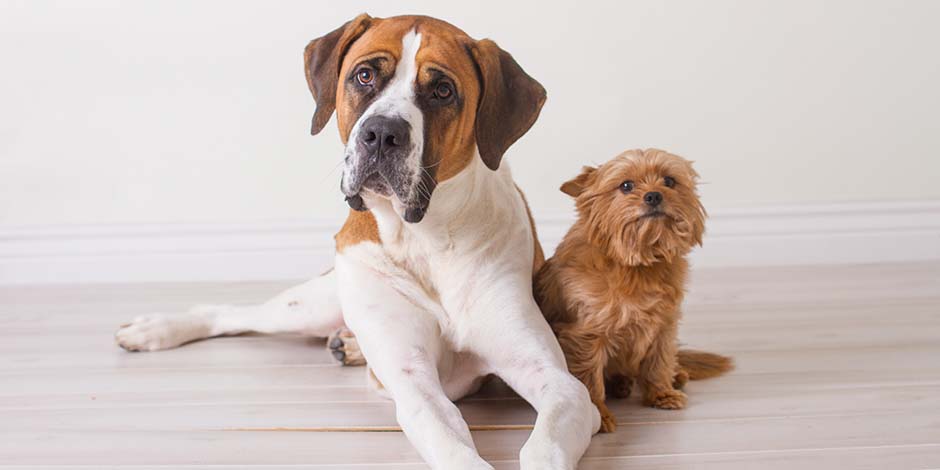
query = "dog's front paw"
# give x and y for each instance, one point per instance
(345, 348)
(680, 379)
(667, 400)
(160, 331)
(608, 422)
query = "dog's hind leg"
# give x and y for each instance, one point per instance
(345, 347)
(311, 308)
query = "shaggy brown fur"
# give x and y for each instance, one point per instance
(614, 288)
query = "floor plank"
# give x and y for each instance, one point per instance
(838, 367)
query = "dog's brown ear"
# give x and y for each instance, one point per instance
(322, 60)
(575, 187)
(510, 101)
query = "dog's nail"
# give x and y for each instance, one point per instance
(336, 343)
(339, 355)
(356, 203)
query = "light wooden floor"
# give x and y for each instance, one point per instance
(838, 367)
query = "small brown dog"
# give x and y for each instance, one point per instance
(614, 288)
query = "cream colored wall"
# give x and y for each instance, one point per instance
(165, 111)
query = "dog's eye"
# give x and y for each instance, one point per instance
(669, 181)
(365, 76)
(443, 90)
(626, 186)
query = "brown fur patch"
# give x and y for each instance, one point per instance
(359, 227)
(322, 59)
(613, 290)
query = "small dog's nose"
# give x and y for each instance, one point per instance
(653, 198)
(381, 134)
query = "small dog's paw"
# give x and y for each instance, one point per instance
(667, 400)
(608, 422)
(160, 331)
(679, 381)
(619, 386)
(345, 348)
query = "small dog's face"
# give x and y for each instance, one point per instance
(641, 207)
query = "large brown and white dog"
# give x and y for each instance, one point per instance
(438, 290)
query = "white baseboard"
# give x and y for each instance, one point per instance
(795, 235)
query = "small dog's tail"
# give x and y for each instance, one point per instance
(703, 365)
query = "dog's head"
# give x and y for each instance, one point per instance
(416, 100)
(641, 207)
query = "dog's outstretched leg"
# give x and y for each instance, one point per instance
(311, 309)
(524, 353)
(401, 338)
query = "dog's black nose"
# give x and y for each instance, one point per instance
(382, 134)
(653, 198)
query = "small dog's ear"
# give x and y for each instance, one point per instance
(509, 104)
(322, 60)
(575, 187)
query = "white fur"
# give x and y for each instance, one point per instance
(396, 100)
(311, 308)
(436, 307)
(450, 300)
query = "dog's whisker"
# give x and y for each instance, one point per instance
(330, 173)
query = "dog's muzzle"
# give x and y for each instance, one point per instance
(381, 162)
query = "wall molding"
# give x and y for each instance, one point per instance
(851, 233)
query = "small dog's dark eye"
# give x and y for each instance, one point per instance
(669, 181)
(365, 76)
(626, 186)
(443, 91)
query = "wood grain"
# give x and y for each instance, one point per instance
(838, 367)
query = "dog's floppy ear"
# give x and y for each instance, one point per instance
(510, 101)
(575, 187)
(322, 60)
